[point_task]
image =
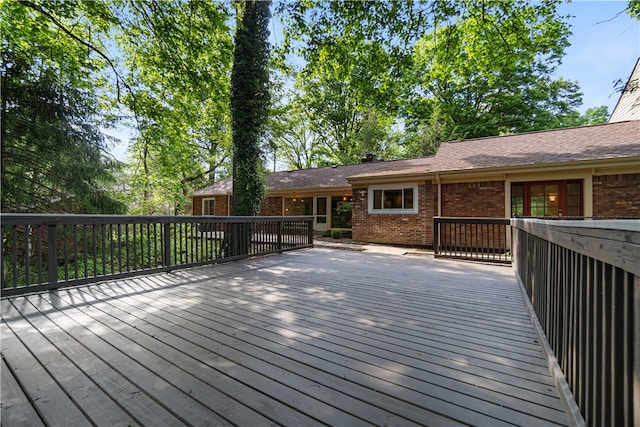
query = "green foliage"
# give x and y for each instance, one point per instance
(179, 57)
(490, 69)
(53, 152)
(594, 116)
(391, 78)
(249, 105)
(425, 138)
(292, 138)
(429, 71)
(633, 9)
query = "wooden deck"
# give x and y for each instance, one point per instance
(311, 337)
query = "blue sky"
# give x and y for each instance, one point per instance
(604, 47)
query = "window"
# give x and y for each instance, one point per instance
(298, 206)
(393, 199)
(208, 206)
(341, 208)
(548, 198)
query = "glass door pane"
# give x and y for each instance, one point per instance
(552, 199)
(321, 210)
(320, 214)
(545, 200)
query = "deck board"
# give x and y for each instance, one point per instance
(310, 337)
(16, 408)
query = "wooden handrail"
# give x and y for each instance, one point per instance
(41, 252)
(476, 239)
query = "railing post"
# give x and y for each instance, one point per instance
(52, 254)
(280, 231)
(166, 259)
(310, 231)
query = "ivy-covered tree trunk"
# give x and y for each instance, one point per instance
(249, 104)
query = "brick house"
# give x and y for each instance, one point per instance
(583, 171)
(321, 192)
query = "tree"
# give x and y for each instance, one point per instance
(425, 138)
(489, 70)
(348, 109)
(480, 68)
(292, 137)
(53, 152)
(594, 116)
(249, 104)
(178, 55)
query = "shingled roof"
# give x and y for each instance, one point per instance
(596, 142)
(605, 141)
(330, 177)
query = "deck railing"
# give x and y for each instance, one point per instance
(478, 239)
(583, 281)
(42, 252)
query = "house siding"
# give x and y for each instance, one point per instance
(399, 229)
(616, 195)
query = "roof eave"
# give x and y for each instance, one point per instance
(632, 161)
(391, 178)
(307, 190)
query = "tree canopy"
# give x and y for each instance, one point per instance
(54, 155)
(178, 58)
(434, 70)
(391, 78)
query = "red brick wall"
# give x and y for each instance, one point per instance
(402, 229)
(473, 199)
(221, 205)
(271, 206)
(616, 195)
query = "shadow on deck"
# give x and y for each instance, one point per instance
(311, 337)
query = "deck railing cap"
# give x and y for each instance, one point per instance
(604, 224)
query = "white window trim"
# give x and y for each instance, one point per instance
(203, 205)
(373, 188)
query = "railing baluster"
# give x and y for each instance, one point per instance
(52, 259)
(112, 264)
(39, 250)
(627, 351)
(75, 251)
(27, 243)
(85, 251)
